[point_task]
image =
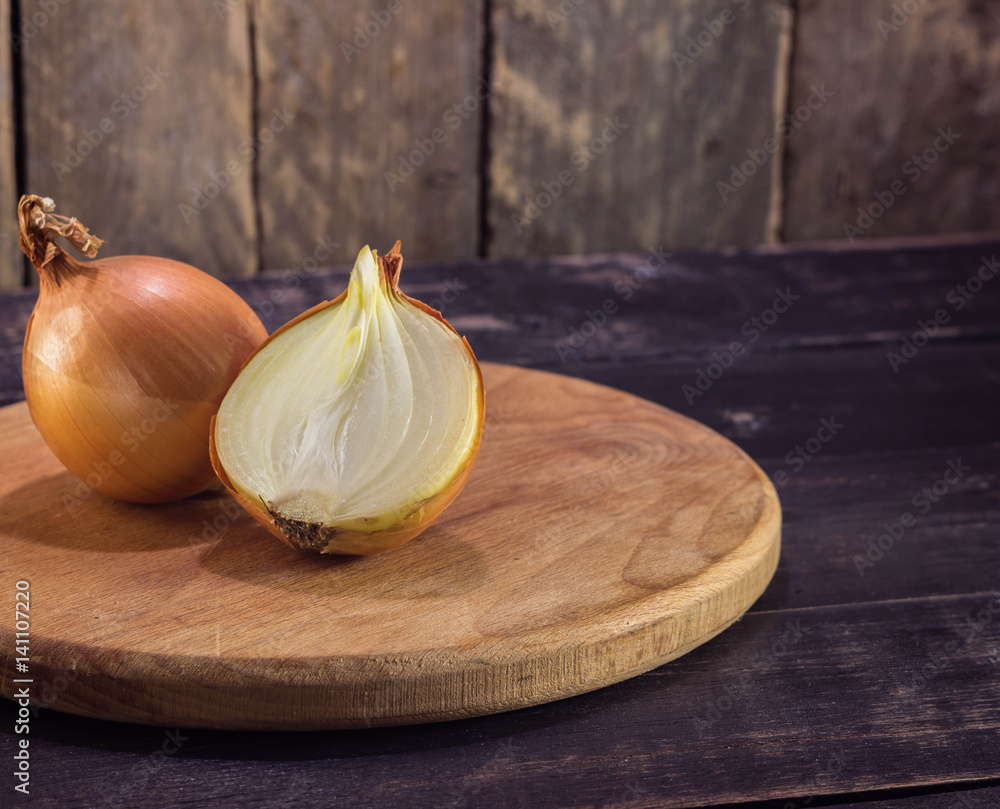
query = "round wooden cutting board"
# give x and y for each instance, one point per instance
(598, 537)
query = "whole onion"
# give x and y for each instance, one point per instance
(126, 360)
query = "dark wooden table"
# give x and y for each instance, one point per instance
(868, 674)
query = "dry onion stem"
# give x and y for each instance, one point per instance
(126, 360)
(353, 426)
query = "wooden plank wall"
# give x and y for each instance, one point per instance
(900, 74)
(11, 264)
(610, 132)
(375, 151)
(247, 135)
(133, 110)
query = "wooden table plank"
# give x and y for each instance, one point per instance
(594, 99)
(910, 113)
(844, 539)
(385, 143)
(540, 312)
(116, 133)
(771, 402)
(973, 797)
(788, 703)
(691, 305)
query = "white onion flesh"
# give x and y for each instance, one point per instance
(355, 415)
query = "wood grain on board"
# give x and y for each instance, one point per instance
(386, 136)
(11, 258)
(138, 122)
(911, 123)
(612, 123)
(598, 537)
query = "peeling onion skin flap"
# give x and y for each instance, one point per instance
(353, 426)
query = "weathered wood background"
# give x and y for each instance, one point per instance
(246, 135)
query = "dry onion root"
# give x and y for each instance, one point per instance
(353, 426)
(126, 360)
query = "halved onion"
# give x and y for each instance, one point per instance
(353, 426)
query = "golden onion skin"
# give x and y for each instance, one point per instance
(354, 540)
(125, 362)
